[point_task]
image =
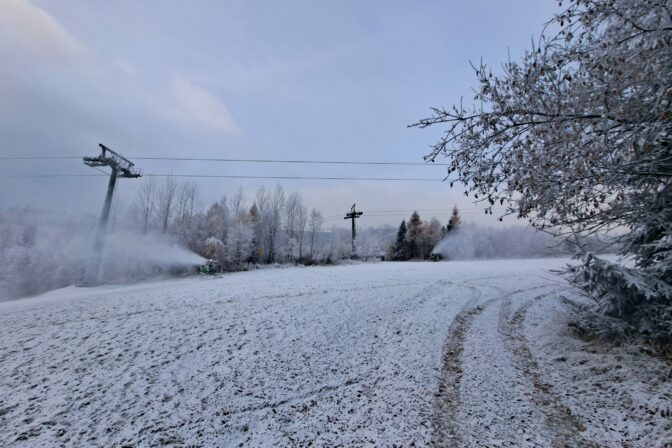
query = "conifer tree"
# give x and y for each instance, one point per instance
(399, 252)
(455, 220)
(414, 235)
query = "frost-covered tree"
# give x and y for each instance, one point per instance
(338, 246)
(314, 227)
(188, 206)
(454, 221)
(301, 222)
(241, 233)
(256, 250)
(166, 202)
(215, 249)
(430, 236)
(217, 220)
(239, 242)
(414, 235)
(274, 222)
(145, 203)
(375, 242)
(270, 208)
(399, 250)
(576, 137)
(295, 224)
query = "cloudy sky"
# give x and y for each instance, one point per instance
(298, 79)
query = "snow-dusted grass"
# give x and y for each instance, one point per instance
(365, 354)
(623, 398)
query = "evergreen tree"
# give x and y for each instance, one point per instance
(399, 250)
(414, 235)
(455, 220)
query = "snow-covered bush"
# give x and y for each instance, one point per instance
(639, 300)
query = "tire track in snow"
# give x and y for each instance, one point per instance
(565, 427)
(447, 397)
(401, 316)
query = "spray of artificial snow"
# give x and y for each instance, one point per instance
(129, 256)
(457, 245)
(46, 251)
(470, 241)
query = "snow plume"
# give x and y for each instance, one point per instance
(42, 250)
(129, 256)
(456, 245)
(471, 241)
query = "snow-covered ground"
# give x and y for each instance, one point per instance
(405, 354)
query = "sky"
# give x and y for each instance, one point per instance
(298, 80)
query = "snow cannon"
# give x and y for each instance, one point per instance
(211, 267)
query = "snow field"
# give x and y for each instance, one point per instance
(405, 354)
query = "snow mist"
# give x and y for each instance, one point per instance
(457, 245)
(43, 250)
(129, 257)
(471, 241)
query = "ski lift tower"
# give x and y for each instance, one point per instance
(353, 215)
(120, 166)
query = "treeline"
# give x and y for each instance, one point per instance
(271, 226)
(43, 250)
(417, 239)
(421, 240)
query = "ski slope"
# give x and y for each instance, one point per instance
(386, 354)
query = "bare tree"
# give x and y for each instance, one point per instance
(259, 212)
(256, 247)
(295, 222)
(301, 221)
(187, 207)
(314, 226)
(274, 221)
(241, 233)
(217, 219)
(145, 203)
(166, 201)
(238, 203)
(291, 208)
(270, 208)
